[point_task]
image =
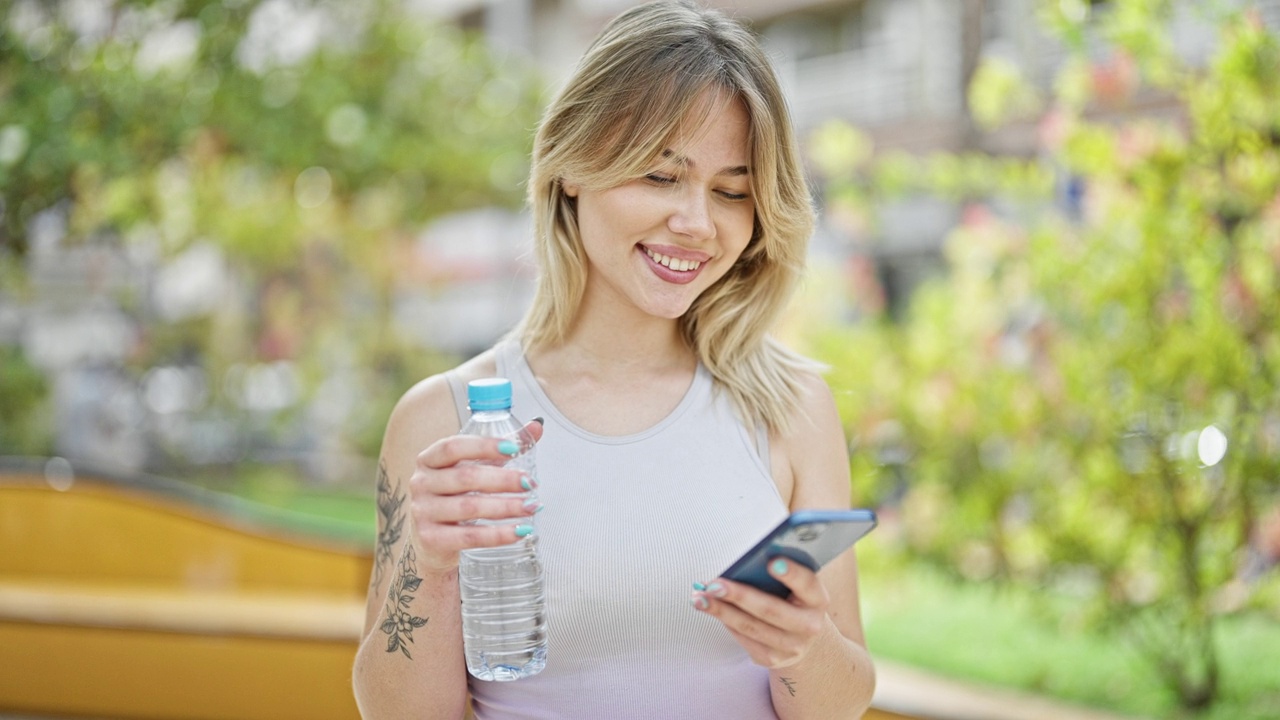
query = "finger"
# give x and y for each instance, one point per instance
(479, 506)
(534, 429)
(452, 539)
(760, 653)
(743, 624)
(787, 616)
(806, 588)
(461, 448)
(472, 477)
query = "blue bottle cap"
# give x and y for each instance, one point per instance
(489, 394)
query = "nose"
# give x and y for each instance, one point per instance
(692, 216)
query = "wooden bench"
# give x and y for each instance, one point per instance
(145, 598)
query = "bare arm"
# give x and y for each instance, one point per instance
(410, 662)
(813, 642)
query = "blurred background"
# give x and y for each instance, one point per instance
(233, 232)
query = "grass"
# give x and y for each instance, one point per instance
(1004, 637)
(276, 496)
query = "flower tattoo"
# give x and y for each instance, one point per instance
(400, 623)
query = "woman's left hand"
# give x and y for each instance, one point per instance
(776, 633)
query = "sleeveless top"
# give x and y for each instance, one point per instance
(629, 524)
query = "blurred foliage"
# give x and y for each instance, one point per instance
(24, 420)
(182, 116)
(1088, 401)
(297, 145)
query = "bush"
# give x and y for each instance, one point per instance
(1088, 402)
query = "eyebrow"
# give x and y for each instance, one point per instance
(731, 171)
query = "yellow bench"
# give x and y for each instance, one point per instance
(140, 598)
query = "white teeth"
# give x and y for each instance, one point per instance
(674, 263)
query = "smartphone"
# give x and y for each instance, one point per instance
(810, 537)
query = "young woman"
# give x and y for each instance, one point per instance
(671, 220)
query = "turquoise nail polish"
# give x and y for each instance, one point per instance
(524, 482)
(524, 530)
(509, 447)
(699, 602)
(699, 586)
(716, 589)
(779, 567)
(532, 506)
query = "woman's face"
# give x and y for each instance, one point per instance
(657, 242)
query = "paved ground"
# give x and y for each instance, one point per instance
(914, 693)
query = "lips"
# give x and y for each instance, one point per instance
(673, 269)
(674, 263)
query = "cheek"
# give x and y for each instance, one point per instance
(741, 229)
(614, 214)
(594, 223)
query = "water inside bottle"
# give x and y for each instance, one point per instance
(504, 611)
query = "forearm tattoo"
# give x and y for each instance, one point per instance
(789, 684)
(400, 623)
(391, 524)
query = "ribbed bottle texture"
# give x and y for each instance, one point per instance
(504, 619)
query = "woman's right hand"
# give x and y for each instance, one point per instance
(454, 482)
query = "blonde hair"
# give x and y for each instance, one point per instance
(635, 87)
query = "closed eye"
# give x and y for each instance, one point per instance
(668, 180)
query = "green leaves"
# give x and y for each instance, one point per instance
(1043, 412)
(392, 100)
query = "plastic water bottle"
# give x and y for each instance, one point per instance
(504, 619)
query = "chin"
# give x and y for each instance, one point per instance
(674, 309)
(670, 306)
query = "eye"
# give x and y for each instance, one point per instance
(660, 179)
(733, 196)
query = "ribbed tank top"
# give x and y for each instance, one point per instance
(629, 524)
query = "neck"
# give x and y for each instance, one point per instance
(615, 356)
(600, 343)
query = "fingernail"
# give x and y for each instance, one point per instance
(509, 447)
(779, 567)
(699, 601)
(699, 586)
(716, 589)
(532, 506)
(524, 530)
(526, 482)
(540, 421)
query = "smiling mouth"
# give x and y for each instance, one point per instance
(673, 263)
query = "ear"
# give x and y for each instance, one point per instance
(570, 189)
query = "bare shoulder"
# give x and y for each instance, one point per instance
(815, 448)
(428, 410)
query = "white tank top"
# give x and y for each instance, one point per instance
(629, 524)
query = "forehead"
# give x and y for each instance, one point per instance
(717, 128)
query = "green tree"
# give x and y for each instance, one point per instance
(1088, 401)
(302, 143)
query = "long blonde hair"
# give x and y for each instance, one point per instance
(627, 98)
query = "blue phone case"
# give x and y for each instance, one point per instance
(810, 537)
